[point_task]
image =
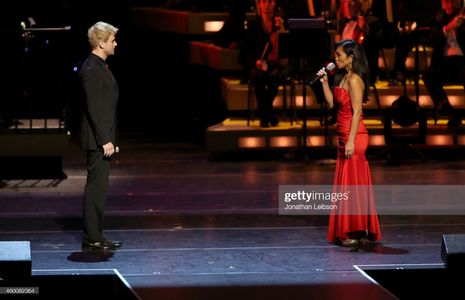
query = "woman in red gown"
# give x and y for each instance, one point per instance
(355, 221)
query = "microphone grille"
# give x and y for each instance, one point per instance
(330, 66)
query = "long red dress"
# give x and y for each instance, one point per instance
(359, 212)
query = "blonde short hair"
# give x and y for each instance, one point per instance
(100, 31)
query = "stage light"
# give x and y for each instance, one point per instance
(252, 142)
(404, 111)
(316, 141)
(461, 140)
(440, 140)
(283, 141)
(376, 140)
(213, 26)
(407, 114)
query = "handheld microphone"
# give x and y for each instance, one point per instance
(329, 67)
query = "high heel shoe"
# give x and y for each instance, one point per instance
(363, 242)
(349, 243)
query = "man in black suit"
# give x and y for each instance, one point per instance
(98, 132)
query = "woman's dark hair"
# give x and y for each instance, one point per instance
(359, 64)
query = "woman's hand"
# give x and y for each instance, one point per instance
(324, 78)
(349, 150)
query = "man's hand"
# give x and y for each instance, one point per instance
(108, 149)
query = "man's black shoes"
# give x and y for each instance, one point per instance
(112, 245)
(94, 246)
(105, 245)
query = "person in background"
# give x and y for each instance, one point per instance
(360, 25)
(404, 43)
(447, 61)
(356, 22)
(260, 58)
(98, 132)
(410, 24)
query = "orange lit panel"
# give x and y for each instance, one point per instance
(278, 101)
(252, 142)
(377, 140)
(425, 101)
(461, 140)
(310, 100)
(213, 26)
(440, 140)
(455, 100)
(388, 100)
(410, 62)
(316, 141)
(283, 141)
(334, 140)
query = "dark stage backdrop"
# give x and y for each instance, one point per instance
(33, 67)
(159, 88)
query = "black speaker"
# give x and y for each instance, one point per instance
(453, 250)
(15, 261)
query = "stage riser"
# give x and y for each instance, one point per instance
(33, 156)
(40, 144)
(235, 135)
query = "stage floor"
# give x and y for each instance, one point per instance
(196, 228)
